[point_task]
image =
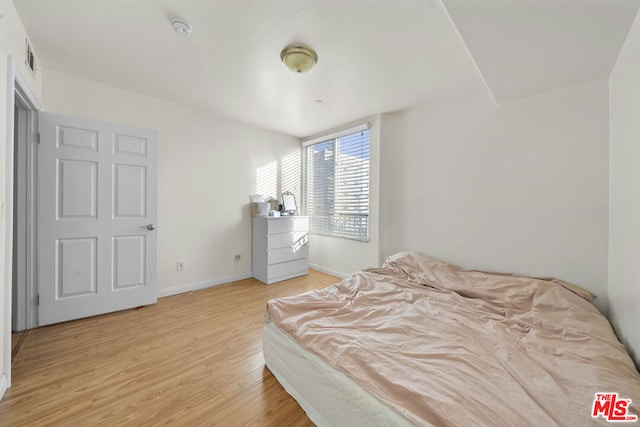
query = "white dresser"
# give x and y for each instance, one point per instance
(280, 248)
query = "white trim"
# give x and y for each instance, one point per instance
(32, 218)
(322, 269)
(14, 80)
(4, 386)
(31, 99)
(196, 286)
(359, 128)
(8, 216)
(19, 297)
(25, 230)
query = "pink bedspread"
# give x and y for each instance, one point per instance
(446, 346)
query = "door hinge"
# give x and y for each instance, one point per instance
(36, 138)
(36, 300)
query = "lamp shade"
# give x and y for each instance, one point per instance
(299, 58)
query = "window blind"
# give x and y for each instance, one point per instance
(337, 186)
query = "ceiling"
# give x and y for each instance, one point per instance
(526, 47)
(374, 56)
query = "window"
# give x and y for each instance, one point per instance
(336, 183)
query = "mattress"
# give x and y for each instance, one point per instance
(328, 396)
(440, 345)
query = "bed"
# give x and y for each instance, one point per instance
(422, 342)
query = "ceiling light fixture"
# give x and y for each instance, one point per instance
(299, 58)
(182, 27)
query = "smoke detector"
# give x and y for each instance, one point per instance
(182, 27)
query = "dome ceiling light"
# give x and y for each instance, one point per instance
(299, 58)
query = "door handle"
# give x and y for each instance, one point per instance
(150, 227)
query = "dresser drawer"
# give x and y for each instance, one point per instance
(290, 269)
(287, 225)
(280, 248)
(275, 256)
(285, 240)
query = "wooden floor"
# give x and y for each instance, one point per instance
(192, 359)
(17, 342)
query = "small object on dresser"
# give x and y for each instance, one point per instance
(260, 209)
(273, 203)
(289, 203)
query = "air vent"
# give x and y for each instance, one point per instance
(30, 58)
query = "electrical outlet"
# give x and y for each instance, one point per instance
(237, 254)
(179, 265)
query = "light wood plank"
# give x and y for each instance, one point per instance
(191, 359)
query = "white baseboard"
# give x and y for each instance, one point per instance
(3, 385)
(190, 287)
(322, 269)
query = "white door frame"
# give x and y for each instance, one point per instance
(16, 86)
(25, 226)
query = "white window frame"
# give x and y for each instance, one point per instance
(325, 138)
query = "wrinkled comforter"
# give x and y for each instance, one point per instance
(446, 346)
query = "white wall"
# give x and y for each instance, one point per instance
(342, 257)
(12, 43)
(207, 169)
(520, 188)
(624, 188)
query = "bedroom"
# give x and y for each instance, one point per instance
(525, 164)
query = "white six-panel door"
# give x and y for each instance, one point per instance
(97, 212)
